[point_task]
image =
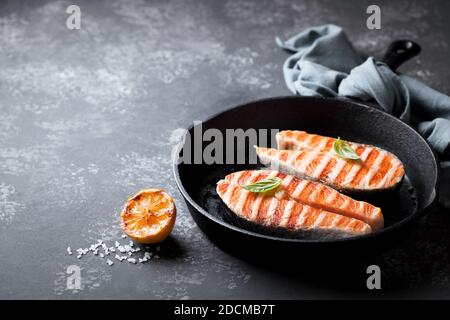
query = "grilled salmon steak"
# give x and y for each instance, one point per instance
(313, 156)
(298, 205)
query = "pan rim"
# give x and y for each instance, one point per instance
(416, 215)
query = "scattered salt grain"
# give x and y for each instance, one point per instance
(148, 255)
(82, 251)
(124, 236)
(128, 252)
(119, 257)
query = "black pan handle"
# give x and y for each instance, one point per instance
(399, 52)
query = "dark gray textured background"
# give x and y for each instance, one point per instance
(89, 117)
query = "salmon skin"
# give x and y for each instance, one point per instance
(312, 156)
(298, 205)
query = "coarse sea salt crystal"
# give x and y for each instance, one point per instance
(148, 255)
(124, 236)
(127, 249)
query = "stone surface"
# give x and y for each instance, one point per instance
(88, 117)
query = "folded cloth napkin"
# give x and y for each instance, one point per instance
(325, 64)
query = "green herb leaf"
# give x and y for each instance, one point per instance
(264, 185)
(344, 150)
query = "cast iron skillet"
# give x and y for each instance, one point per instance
(350, 120)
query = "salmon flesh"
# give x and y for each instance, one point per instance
(312, 156)
(298, 205)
